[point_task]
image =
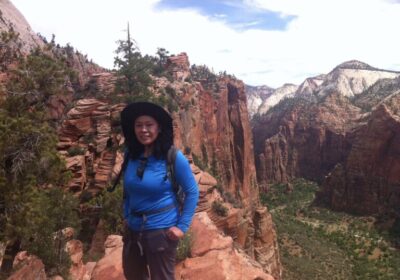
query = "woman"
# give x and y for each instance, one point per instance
(151, 211)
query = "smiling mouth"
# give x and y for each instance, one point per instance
(145, 137)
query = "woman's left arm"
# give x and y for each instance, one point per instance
(184, 177)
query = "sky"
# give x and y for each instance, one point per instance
(262, 42)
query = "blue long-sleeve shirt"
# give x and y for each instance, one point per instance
(155, 191)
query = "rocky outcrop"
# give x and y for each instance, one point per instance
(215, 126)
(251, 230)
(101, 84)
(75, 251)
(110, 266)
(265, 242)
(25, 40)
(76, 164)
(310, 85)
(86, 138)
(28, 267)
(368, 182)
(179, 66)
(286, 91)
(213, 256)
(12, 19)
(256, 95)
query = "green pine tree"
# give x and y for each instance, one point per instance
(31, 170)
(132, 69)
(160, 62)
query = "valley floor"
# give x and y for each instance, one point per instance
(317, 243)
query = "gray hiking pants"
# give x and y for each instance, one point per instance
(148, 255)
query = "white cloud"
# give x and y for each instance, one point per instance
(323, 35)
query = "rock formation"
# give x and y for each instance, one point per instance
(344, 124)
(307, 135)
(28, 267)
(179, 66)
(368, 182)
(286, 91)
(213, 256)
(12, 19)
(256, 96)
(211, 120)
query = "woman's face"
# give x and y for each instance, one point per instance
(146, 130)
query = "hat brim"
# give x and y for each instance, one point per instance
(137, 109)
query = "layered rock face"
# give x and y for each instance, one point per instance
(214, 125)
(211, 120)
(31, 268)
(256, 96)
(179, 66)
(306, 140)
(218, 132)
(286, 91)
(86, 139)
(213, 256)
(368, 182)
(347, 127)
(252, 230)
(12, 19)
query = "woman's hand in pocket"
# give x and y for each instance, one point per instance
(174, 233)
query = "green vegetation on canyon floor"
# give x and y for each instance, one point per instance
(317, 243)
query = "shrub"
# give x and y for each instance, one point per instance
(75, 150)
(219, 208)
(184, 247)
(170, 91)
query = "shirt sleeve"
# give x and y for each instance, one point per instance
(126, 208)
(184, 177)
(125, 198)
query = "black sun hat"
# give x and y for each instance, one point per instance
(137, 109)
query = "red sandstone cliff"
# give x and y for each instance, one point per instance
(347, 127)
(214, 125)
(212, 120)
(368, 182)
(303, 138)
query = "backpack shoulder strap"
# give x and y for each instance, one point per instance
(179, 194)
(171, 157)
(118, 178)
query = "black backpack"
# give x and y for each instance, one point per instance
(171, 156)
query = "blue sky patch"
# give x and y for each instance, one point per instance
(235, 13)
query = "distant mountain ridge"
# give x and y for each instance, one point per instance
(349, 78)
(356, 64)
(256, 95)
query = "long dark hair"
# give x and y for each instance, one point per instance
(162, 144)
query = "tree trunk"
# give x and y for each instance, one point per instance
(12, 248)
